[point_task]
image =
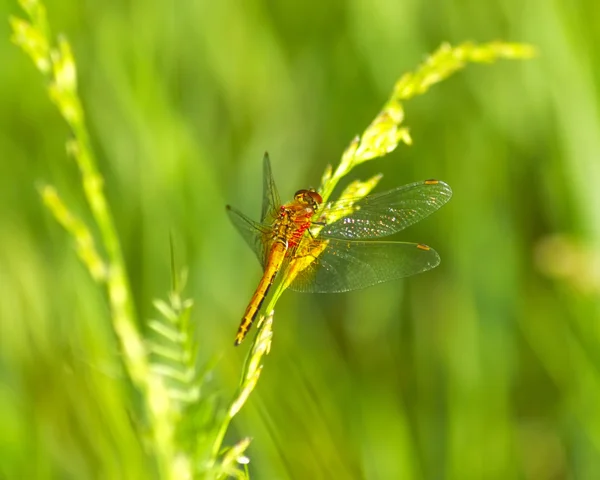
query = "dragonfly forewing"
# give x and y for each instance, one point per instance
(270, 195)
(254, 233)
(385, 213)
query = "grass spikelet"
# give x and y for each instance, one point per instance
(381, 137)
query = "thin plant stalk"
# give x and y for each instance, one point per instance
(381, 137)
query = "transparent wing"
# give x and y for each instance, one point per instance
(384, 213)
(350, 265)
(270, 195)
(253, 232)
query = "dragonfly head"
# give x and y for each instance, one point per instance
(309, 197)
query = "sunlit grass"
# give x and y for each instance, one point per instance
(164, 372)
(169, 394)
(381, 137)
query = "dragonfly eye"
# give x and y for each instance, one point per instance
(308, 196)
(315, 196)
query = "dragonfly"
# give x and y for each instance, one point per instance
(334, 247)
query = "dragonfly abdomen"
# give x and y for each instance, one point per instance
(276, 256)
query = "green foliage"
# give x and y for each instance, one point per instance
(164, 368)
(483, 368)
(384, 133)
(381, 137)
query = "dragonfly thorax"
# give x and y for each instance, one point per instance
(295, 217)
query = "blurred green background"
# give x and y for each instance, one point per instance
(484, 368)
